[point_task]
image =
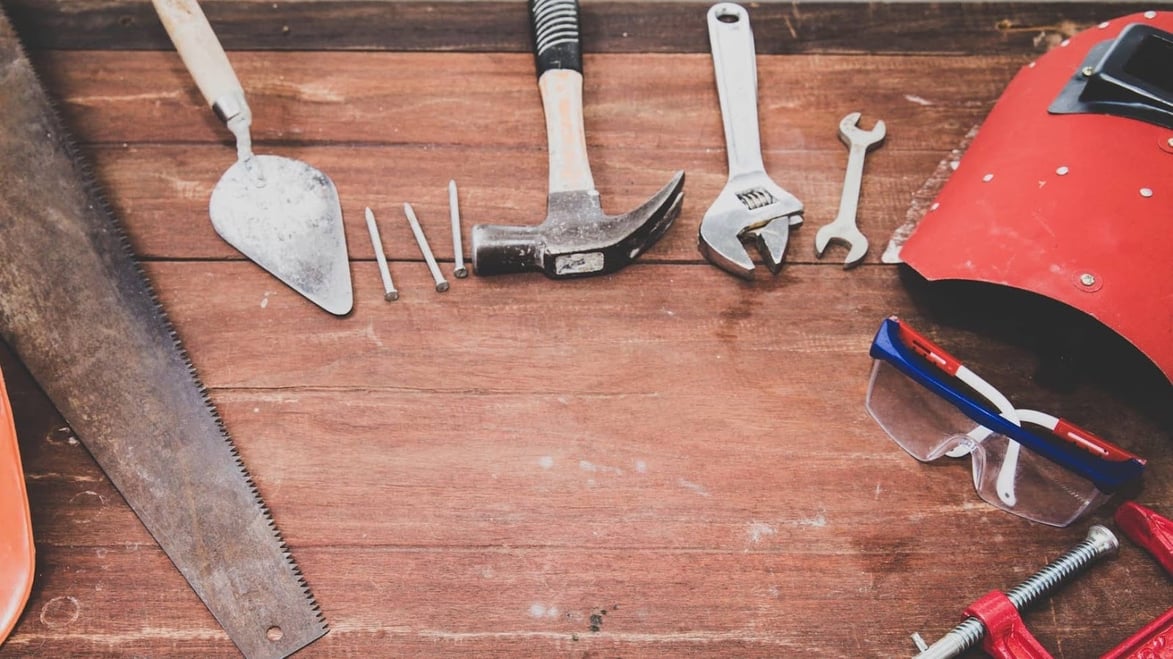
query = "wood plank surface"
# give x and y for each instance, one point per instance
(780, 27)
(666, 461)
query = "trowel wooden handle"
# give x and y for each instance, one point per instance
(202, 54)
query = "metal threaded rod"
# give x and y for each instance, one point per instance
(1099, 542)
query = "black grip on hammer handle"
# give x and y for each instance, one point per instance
(556, 36)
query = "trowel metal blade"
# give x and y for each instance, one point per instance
(285, 216)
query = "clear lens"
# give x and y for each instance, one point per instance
(1032, 486)
(921, 422)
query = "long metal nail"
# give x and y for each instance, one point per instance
(1099, 542)
(457, 249)
(389, 292)
(441, 283)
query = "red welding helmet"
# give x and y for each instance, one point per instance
(16, 534)
(1067, 190)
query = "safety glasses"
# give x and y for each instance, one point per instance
(1025, 462)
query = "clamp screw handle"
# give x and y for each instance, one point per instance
(1099, 542)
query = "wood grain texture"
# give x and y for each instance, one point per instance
(608, 26)
(403, 135)
(662, 462)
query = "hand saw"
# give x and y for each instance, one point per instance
(80, 314)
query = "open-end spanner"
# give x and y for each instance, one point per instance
(843, 227)
(751, 205)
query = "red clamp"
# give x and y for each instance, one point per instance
(1155, 533)
(1149, 530)
(1006, 634)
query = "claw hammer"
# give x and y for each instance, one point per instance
(576, 239)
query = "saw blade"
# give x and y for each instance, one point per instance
(81, 315)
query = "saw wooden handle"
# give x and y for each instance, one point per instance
(203, 55)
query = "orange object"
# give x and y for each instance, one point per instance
(16, 531)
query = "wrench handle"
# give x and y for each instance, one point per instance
(852, 184)
(558, 52)
(731, 40)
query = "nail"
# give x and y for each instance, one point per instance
(389, 292)
(457, 249)
(441, 283)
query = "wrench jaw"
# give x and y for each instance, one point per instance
(749, 208)
(772, 239)
(856, 242)
(850, 132)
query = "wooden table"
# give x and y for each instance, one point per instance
(663, 462)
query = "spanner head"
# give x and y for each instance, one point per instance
(851, 236)
(851, 134)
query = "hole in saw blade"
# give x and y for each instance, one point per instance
(274, 633)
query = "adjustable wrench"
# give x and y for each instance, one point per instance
(843, 227)
(751, 205)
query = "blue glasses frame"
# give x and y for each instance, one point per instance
(1108, 475)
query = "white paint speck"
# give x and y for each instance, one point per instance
(818, 521)
(265, 300)
(539, 610)
(878, 491)
(641, 466)
(689, 485)
(593, 468)
(545, 462)
(913, 98)
(1062, 171)
(759, 530)
(256, 410)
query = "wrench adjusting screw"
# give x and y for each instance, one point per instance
(1100, 542)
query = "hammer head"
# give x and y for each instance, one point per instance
(576, 239)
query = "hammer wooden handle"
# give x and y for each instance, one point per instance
(558, 54)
